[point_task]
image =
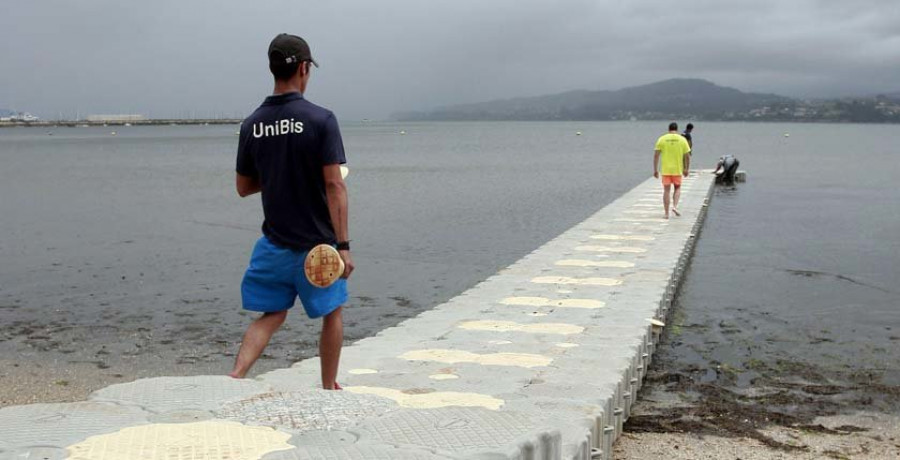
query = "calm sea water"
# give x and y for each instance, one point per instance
(791, 307)
(801, 264)
(127, 251)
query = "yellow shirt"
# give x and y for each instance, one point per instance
(672, 147)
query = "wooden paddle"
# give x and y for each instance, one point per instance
(323, 265)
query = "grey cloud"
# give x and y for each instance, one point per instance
(207, 58)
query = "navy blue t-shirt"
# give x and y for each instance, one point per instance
(284, 144)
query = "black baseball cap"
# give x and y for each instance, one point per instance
(288, 49)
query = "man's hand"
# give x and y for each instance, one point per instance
(348, 263)
(685, 173)
(656, 163)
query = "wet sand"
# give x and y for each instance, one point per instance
(57, 361)
(860, 436)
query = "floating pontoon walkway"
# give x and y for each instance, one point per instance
(540, 361)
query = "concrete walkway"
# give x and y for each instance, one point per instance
(540, 361)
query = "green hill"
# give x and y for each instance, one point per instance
(676, 98)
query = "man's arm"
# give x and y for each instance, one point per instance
(655, 162)
(336, 193)
(246, 185)
(687, 162)
(247, 176)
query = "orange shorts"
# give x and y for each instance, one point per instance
(672, 180)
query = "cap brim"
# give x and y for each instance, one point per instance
(314, 62)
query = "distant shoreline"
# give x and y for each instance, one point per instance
(235, 121)
(654, 120)
(150, 122)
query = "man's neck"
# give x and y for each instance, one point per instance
(290, 86)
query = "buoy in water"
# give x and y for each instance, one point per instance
(402, 132)
(113, 133)
(787, 134)
(577, 133)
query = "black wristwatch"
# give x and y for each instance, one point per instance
(343, 245)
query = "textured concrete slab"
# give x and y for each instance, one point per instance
(596, 281)
(212, 440)
(33, 431)
(539, 361)
(487, 359)
(431, 399)
(310, 410)
(614, 249)
(624, 237)
(594, 263)
(165, 394)
(510, 326)
(545, 302)
(340, 445)
(40, 453)
(412, 378)
(458, 431)
(361, 451)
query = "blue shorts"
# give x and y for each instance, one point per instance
(275, 278)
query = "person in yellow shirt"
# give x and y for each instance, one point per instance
(671, 158)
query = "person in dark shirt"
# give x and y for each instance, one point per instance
(687, 135)
(291, 150)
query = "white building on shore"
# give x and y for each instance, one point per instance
(116, 118)
(19, 117)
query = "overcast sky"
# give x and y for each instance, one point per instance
(207, 58)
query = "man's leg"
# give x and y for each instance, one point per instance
(675, 196)
(330, 348)
(255, 340)
(666, 188)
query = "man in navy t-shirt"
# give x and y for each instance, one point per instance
(291, 150)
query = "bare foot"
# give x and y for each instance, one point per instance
(337, 386)
(675, 210)
(666, 217)
(235, 375)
